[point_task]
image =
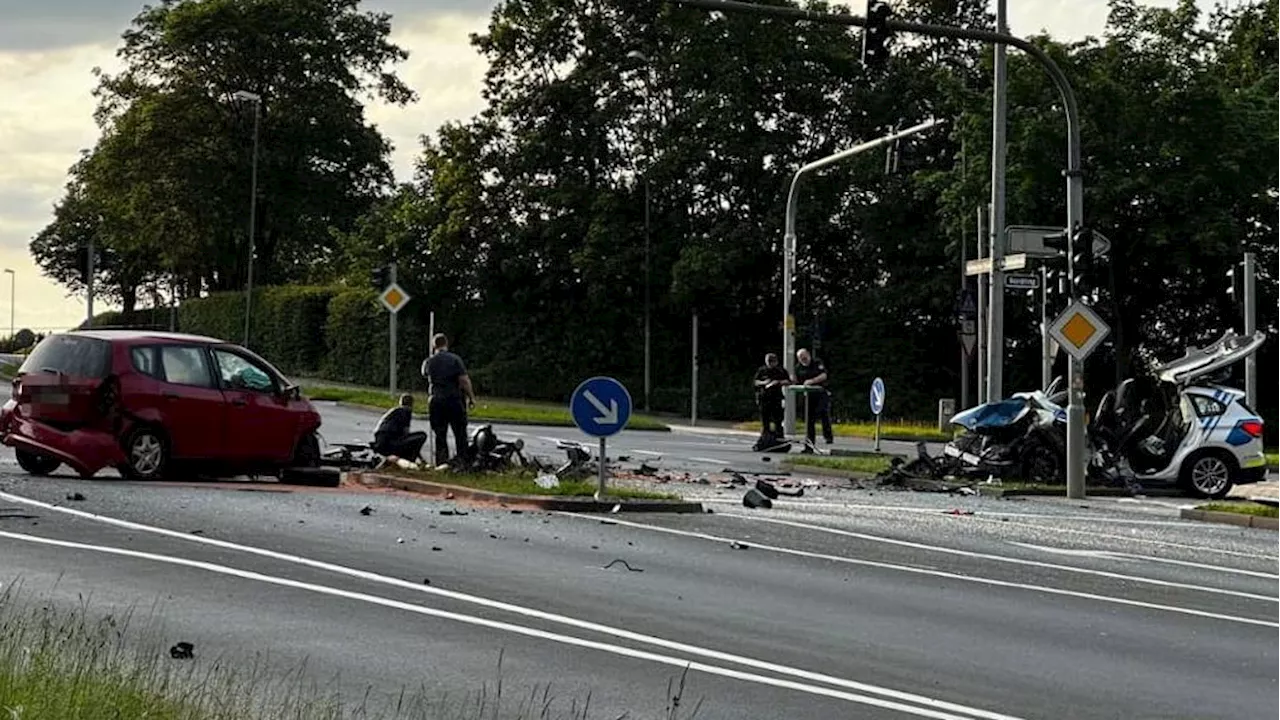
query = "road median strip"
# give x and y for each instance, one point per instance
(505, 412)
(510, 490)
(1241, 514)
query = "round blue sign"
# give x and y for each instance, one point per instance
(601, 406)
(877, 396)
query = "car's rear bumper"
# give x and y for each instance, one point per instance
(85, 450)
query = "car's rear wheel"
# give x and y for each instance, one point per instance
(1208, 474)
(146, 453)
(35, 463)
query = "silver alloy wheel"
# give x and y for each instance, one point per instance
(146, 454)
(1210, 475)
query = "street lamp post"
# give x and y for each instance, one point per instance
(648, 91)
(246, 96)
(12, 302)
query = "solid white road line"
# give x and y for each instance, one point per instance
(709, 461)
(1004, 558)
(969, 713)
(511, 608)
(1201, 566)
(942, 574)
(800, 505)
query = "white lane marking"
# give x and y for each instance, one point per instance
(1070, 552)
(942, 574)
(1148, 541)
(709, 461)
(515, 609)
(650, 453)
(969, 713)
(804, 504)
(1202, 566)
(1004, 558)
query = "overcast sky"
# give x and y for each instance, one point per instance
(49, 47)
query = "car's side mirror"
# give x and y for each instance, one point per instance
(291, 392)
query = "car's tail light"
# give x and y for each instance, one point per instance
(1252, 427)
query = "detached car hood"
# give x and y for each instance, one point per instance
(1198, 362)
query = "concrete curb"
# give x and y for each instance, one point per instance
(997, 491)
(532, 502)
(1230, 518)
(476, 420)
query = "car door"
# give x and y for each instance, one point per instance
(191, 407)
(261, 424)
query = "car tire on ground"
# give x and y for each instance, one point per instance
(307, 452)
(35, 463)
(146, 451)
(1208, 474)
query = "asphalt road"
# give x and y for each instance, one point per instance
(839, 604)
(683, 450)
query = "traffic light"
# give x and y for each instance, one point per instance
(380, 277)
(1082, 264)
(1235, 283)
(875, 36)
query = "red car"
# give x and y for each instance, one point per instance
(147, 403)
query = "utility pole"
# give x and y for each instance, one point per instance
(1046, 359)
(982, 309)
(246, 96)
(995, 337)
(1250, 327)
(392, 274)
(88, 280)
(693, 404)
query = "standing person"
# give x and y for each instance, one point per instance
(451, 397)
(770, 380)
(393, 436)
(810, 372)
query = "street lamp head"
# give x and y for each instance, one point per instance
(246, 96)
(8, 271)
(637, 55)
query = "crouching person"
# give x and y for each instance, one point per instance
(393, 437)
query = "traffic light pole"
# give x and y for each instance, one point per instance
(88, 279)
(1250, 327)
(995, 336)
(392, 275)
(1076, 449)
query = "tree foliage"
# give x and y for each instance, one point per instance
(524, 228)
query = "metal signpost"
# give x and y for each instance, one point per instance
(1250, 328)
(393, 298)
(789, 246)
(877, 405)
(601, 407)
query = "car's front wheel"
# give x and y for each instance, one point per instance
(146, 454)
(1208, 474)
(35, 463)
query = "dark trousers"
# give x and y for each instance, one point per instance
(818, 408)
(771, 416)
(448, 414)
(408, 447)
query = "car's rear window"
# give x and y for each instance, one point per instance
(73, 355)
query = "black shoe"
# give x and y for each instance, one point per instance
(808, 450)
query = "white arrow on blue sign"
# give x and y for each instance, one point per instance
(601, 406)
(877, 396)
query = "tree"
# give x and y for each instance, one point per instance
(170, 176)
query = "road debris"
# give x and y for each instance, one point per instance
(366, 510)
(625, 564)
(182, 651)
(756, 499)
(76, 497)
(739, 545)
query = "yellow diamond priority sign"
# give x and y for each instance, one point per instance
(394, 298)
(1079, 330)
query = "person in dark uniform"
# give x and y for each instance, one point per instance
(811, 372)
(451, 397)
(770, 380)
(393, 436)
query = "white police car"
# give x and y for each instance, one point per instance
(1179, 426)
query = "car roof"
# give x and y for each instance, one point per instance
(147, 335)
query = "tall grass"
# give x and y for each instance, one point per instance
(72, 664)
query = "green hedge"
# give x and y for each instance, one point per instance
(287, 329)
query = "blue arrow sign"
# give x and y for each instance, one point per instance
(600, 407)
(877, 396)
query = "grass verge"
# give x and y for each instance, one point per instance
(862, 463)
(517, 483)
(71, 664)
(1242, 508)
(905, 430)
(512, 412)
(7, 370)
(1273, 459)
